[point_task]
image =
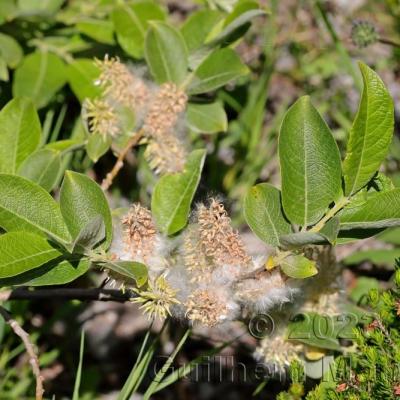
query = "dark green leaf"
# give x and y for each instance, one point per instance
(315, 330)
(20, 133)
(55, 272)
(23, 251)
(26, 206)
(90, 235)
(81, 201)
(380, 210)
(310, 164)
(97, 145)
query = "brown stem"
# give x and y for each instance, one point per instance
(30, 349)
(389, 42)
(108, 180)
(96, 294)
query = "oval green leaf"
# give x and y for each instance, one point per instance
(219, 68)
(23, 251)
(207, 118)
(263, 213)
(371, 133)
(131, 22)
(100, 30)
(82, 74)
(81, 201)
(39, 77)
(10, 50)
(166, 53)
(131, 269)
(173, 195)
(20, 133)
(42, 167)
(55, 272)
(198, 26)
(298, 267)
(24, 205)
(380, 210)
(310, 164)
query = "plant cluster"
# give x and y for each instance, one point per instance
(148, 93)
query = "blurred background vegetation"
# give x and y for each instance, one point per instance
(298, 47)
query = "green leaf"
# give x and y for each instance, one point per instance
(24, 205)
(300, 239)
(8, 10)
(298, 266)
(64, 146)
(263, 213)
(173, 195)
(310, 164)
(377, 257)
(39, 77)
(207, 118)
(328, 234)
(131, 22)
(42, 167)
(23, 251)
(198, 26)
(54, 272)
(315, 330)
(97, 145)
(100, 30)
(131, 269)
(39, 7)
(331, 230)
(82, 200)
(78, 378)
(82, 74)
(10, 50)
(20, 133)
(4, 75)
(380, 210)
(363, 285)
(219, 68)
(371, 133)
(238, 25)
(90, 235)
(166, 53)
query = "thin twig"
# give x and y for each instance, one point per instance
(97, 294)
(108, 180)
(389, 42)
(30, 349)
